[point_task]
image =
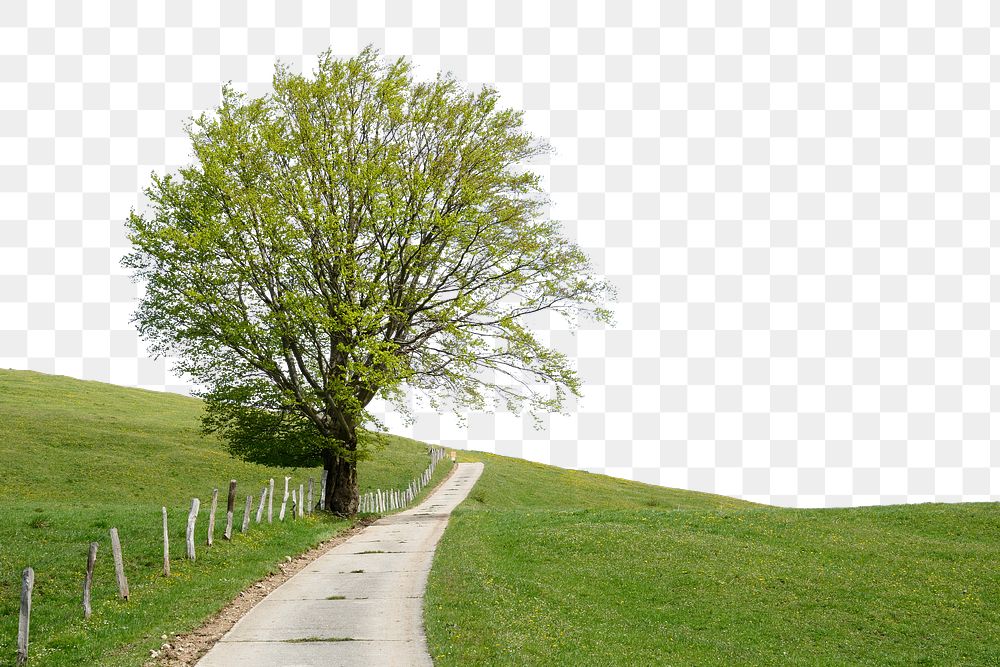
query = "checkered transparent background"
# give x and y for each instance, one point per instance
(794, 200)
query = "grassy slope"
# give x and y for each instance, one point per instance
(80, 457)
(544, 566)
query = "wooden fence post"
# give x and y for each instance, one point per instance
(322, 490)
(295, 504)
(211, 516)
(230, 507)
(310, 503)
(270, 499)
(260, 507)
(88, 579)
(246, 514)
(166, 545)
(284, 501)
(116, 552)
(24, 620)
(192, 517)
(302, 499)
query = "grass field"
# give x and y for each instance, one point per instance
(541, 566)
(81, 457)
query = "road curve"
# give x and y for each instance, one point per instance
(361, 603)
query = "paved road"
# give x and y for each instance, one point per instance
(380, 573)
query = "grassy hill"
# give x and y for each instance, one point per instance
(80, 457)
(538, 566)
(542, 566)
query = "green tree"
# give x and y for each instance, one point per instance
(346, 236)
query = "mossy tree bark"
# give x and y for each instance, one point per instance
(342, 495)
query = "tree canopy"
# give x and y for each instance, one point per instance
(354, 233)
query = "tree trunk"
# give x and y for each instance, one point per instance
(342, 495)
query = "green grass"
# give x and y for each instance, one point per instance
(541, 566)
(515, 485)
(81, 457)
(538, 566)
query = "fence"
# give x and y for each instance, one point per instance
(374, 501)
(393, 499)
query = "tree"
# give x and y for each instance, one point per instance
(347, 236)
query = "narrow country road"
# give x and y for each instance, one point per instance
(361, 603)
